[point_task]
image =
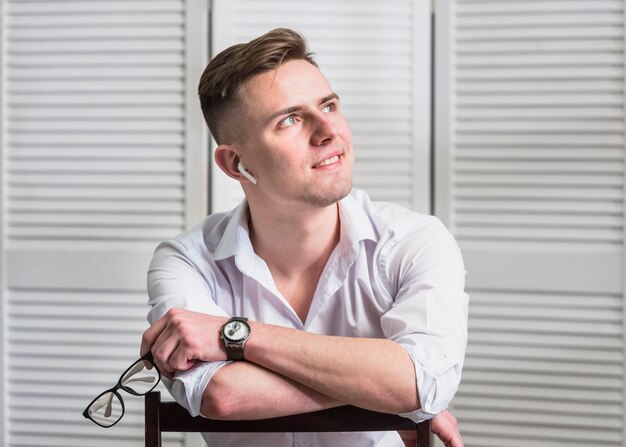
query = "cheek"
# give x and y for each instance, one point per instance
(344, 128)
(276, 165)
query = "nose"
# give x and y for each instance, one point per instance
(325, 131)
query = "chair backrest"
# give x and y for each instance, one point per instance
(171, 417)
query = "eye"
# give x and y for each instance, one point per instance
(289, 121)
(329, 107)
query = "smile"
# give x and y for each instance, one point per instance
(328, 161)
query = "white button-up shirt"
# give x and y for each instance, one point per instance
(394, 274)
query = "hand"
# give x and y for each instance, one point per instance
(182, 338)
(409, 437)
(446, 427)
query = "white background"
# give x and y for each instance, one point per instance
(104, 154)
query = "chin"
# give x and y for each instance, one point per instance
(324, 198)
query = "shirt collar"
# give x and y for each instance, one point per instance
(236, 238)
(356, 225)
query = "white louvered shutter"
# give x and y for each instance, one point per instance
(104, 156)
(530, 179)
(376, 56)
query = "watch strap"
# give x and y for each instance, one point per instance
(234, 353)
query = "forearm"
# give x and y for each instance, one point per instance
(243, 390)
(376, 374)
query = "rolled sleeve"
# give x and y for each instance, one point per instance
(174, 282)
(429, 315)
(187, 387)
(437, 356)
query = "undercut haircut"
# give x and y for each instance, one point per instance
(227, 72)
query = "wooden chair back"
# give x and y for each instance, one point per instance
(171, 417)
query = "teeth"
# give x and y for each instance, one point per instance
(329, 161)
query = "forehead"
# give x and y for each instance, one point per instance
(293, 83)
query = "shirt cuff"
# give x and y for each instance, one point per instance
(187, 387)
(428, 406)
(435, 390)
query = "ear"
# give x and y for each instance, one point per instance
(227, 159)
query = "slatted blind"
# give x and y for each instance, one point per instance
(99, 137)
(376, 56)
(530, 178)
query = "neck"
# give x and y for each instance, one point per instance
(293, 242)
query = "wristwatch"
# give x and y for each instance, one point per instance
(235, 333)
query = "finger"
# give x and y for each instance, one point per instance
(151, 334)
(162, 351)
(165, 370)
(445, 428)
(182, 358)
(451, 435)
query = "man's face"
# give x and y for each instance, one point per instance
(297, 142)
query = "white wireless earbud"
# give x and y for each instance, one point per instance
(246, 174)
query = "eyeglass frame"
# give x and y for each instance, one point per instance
(147, 357)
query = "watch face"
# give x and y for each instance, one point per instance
(236, 330)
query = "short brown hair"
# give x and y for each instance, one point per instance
(229, 70)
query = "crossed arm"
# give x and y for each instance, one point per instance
(375, 374)
(300, 373)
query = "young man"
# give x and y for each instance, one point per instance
(336, 299)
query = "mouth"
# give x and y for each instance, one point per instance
(328, 161)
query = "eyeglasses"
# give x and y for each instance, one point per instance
(139, 379)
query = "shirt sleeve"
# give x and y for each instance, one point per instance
(174, 281)
(429, 315)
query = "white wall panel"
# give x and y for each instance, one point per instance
(101, 129)
(530, 178)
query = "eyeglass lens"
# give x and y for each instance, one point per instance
(141, 378)
(106, 410)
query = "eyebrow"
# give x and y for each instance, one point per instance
(292, 109)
